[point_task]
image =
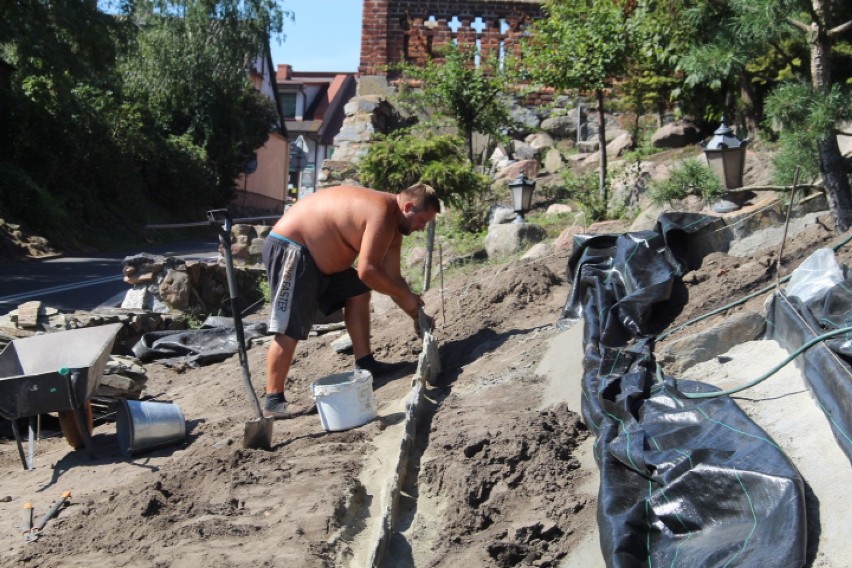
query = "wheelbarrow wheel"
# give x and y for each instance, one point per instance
(68, 424)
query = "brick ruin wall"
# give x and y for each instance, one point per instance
(393, 31)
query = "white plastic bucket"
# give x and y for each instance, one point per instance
(345, 400)
(144, 425)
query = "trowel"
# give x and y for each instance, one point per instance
(258, 431)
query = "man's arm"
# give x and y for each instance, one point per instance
(378, 264)
(392, 268)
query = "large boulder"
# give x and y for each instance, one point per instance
(175, 288)
(564, 126)
(528, 167)
(614, 149)
(506, 240)
(524, 151)
(501, 214)
(681, 354)
(525, 119)
(540, 140)
(676, 135)
(553, 161)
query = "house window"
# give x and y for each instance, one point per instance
(288, 105)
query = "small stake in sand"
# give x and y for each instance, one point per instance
(786, 226)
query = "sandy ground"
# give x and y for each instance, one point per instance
(783, 406)
(501, 474)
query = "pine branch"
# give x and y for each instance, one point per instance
(837, 30)
(797, 24)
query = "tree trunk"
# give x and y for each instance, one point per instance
(750, 116)
(837, 190)
(831, 163)
(599, 95)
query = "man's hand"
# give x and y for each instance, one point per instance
(423, 322)
(410, 304)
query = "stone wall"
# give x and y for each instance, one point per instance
(407, 30)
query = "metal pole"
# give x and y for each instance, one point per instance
(579, 121)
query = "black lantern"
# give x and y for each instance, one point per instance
(522, 191)
(726, 157)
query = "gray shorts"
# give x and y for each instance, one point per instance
(299, 290)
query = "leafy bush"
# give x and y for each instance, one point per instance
(585, 190)
(405, 157)
(690, 177)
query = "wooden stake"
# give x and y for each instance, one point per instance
(786, 226)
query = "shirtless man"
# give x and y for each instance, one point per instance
(309, 255)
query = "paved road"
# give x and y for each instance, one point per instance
(81, 283)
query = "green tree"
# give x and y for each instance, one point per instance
(188, 66)
(751, 28)
(406, 157)
(657, 40)
(142, 109)
(69, 177)
(818, 23)
(472, 96)
(580, 44)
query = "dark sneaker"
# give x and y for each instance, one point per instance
(276, 406)
(376, 368)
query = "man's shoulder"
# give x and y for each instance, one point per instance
(361, 194)
(348, 188)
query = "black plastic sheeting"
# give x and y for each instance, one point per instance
(683, 482)
(826, 365)
(214, 341)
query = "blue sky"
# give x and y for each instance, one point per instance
(325, 36)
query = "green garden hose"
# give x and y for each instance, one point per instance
(769, 373)
(775, 369)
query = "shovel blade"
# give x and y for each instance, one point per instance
(258, 434)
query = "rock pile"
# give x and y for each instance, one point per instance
(14, 242)
(167, 284)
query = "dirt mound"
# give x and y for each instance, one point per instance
(510, 481)
(722, 278)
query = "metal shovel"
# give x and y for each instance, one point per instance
(258, 431)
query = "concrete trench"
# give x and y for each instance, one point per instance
(386, 468)
(390, 471)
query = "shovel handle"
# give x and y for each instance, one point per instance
(225, 240)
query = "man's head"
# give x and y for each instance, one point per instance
(419, 204)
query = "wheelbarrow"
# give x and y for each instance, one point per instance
(54, 372)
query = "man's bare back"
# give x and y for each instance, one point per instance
(342, 223)
(331, 223)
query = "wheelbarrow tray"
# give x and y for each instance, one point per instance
(53, 372)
